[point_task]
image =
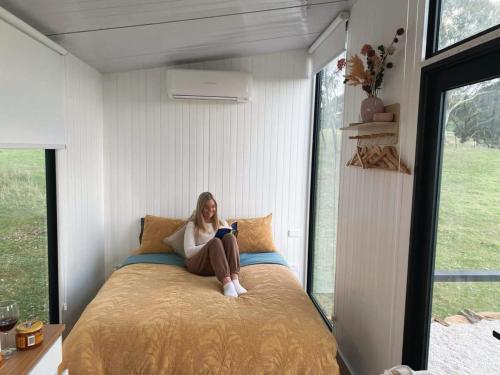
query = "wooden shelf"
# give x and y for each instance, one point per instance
(364, 128)
(377, 144)
(373, 126)
(22, 361)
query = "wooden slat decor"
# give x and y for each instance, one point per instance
(377, 157)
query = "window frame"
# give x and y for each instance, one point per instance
(52, 244)
(312, 197)
(468, 67)
(432, 36)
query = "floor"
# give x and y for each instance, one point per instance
(460, 347)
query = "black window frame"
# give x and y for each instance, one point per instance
(474, 65)
(52, 245)
(313, 198)
(434, 19)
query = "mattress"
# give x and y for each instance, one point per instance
(157, 318)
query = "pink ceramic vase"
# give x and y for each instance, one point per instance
(369, 106)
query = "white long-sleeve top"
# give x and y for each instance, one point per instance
(194, 243)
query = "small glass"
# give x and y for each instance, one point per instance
(9, 315)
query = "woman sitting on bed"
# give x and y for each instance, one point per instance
(207, 255)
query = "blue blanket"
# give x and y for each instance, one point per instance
(246, 259)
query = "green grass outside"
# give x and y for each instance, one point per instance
(23, 232)
(469, 212)
(468, 227)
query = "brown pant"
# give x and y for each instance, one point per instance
(218, 257)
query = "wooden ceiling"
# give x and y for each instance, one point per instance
(120, 35)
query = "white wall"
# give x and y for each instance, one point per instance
(375, 205)
(79, 171)
(161, 154)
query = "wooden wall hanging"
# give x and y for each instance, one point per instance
(379, 157)
(377, 142)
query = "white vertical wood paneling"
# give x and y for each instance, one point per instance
(79, 190)
(253, 156)
(375, 205)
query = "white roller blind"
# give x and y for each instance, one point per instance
(31, 92)
(331, 47)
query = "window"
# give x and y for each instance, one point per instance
(454, 264)
(467, 265)
(28, 270)
(459, 20)
(325, 187)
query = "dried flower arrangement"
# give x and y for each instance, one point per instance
(372, 77)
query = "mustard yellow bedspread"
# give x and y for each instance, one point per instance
(160, 319)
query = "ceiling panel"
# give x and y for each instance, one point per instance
(116, 35)
(65, 16)
(200, 54)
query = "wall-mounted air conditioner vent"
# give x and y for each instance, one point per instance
(207, 85)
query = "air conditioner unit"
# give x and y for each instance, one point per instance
(187, 84)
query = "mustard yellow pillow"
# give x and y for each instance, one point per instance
(255, 235)
(156, 228)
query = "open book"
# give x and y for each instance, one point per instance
(221, 232)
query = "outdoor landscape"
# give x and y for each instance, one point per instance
(23, 232)
(468, 234)
(469, 213)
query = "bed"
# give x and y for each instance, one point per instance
(154, 317)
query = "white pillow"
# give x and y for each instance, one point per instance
(176, 241)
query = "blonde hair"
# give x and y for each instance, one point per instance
(197, 216)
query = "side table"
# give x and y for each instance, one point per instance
(42, 360)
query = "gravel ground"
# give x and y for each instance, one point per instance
(465, 349)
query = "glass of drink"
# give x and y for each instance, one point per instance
(9, 315)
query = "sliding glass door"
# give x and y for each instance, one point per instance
(453, 295)
(466, 289)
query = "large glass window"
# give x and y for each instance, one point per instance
(453, 297)
(23, 232)
(460, 19)
(324, 199)
(467, 267)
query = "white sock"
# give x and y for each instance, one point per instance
(237, 286)
(229, 290)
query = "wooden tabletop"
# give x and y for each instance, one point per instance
(21, 362)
